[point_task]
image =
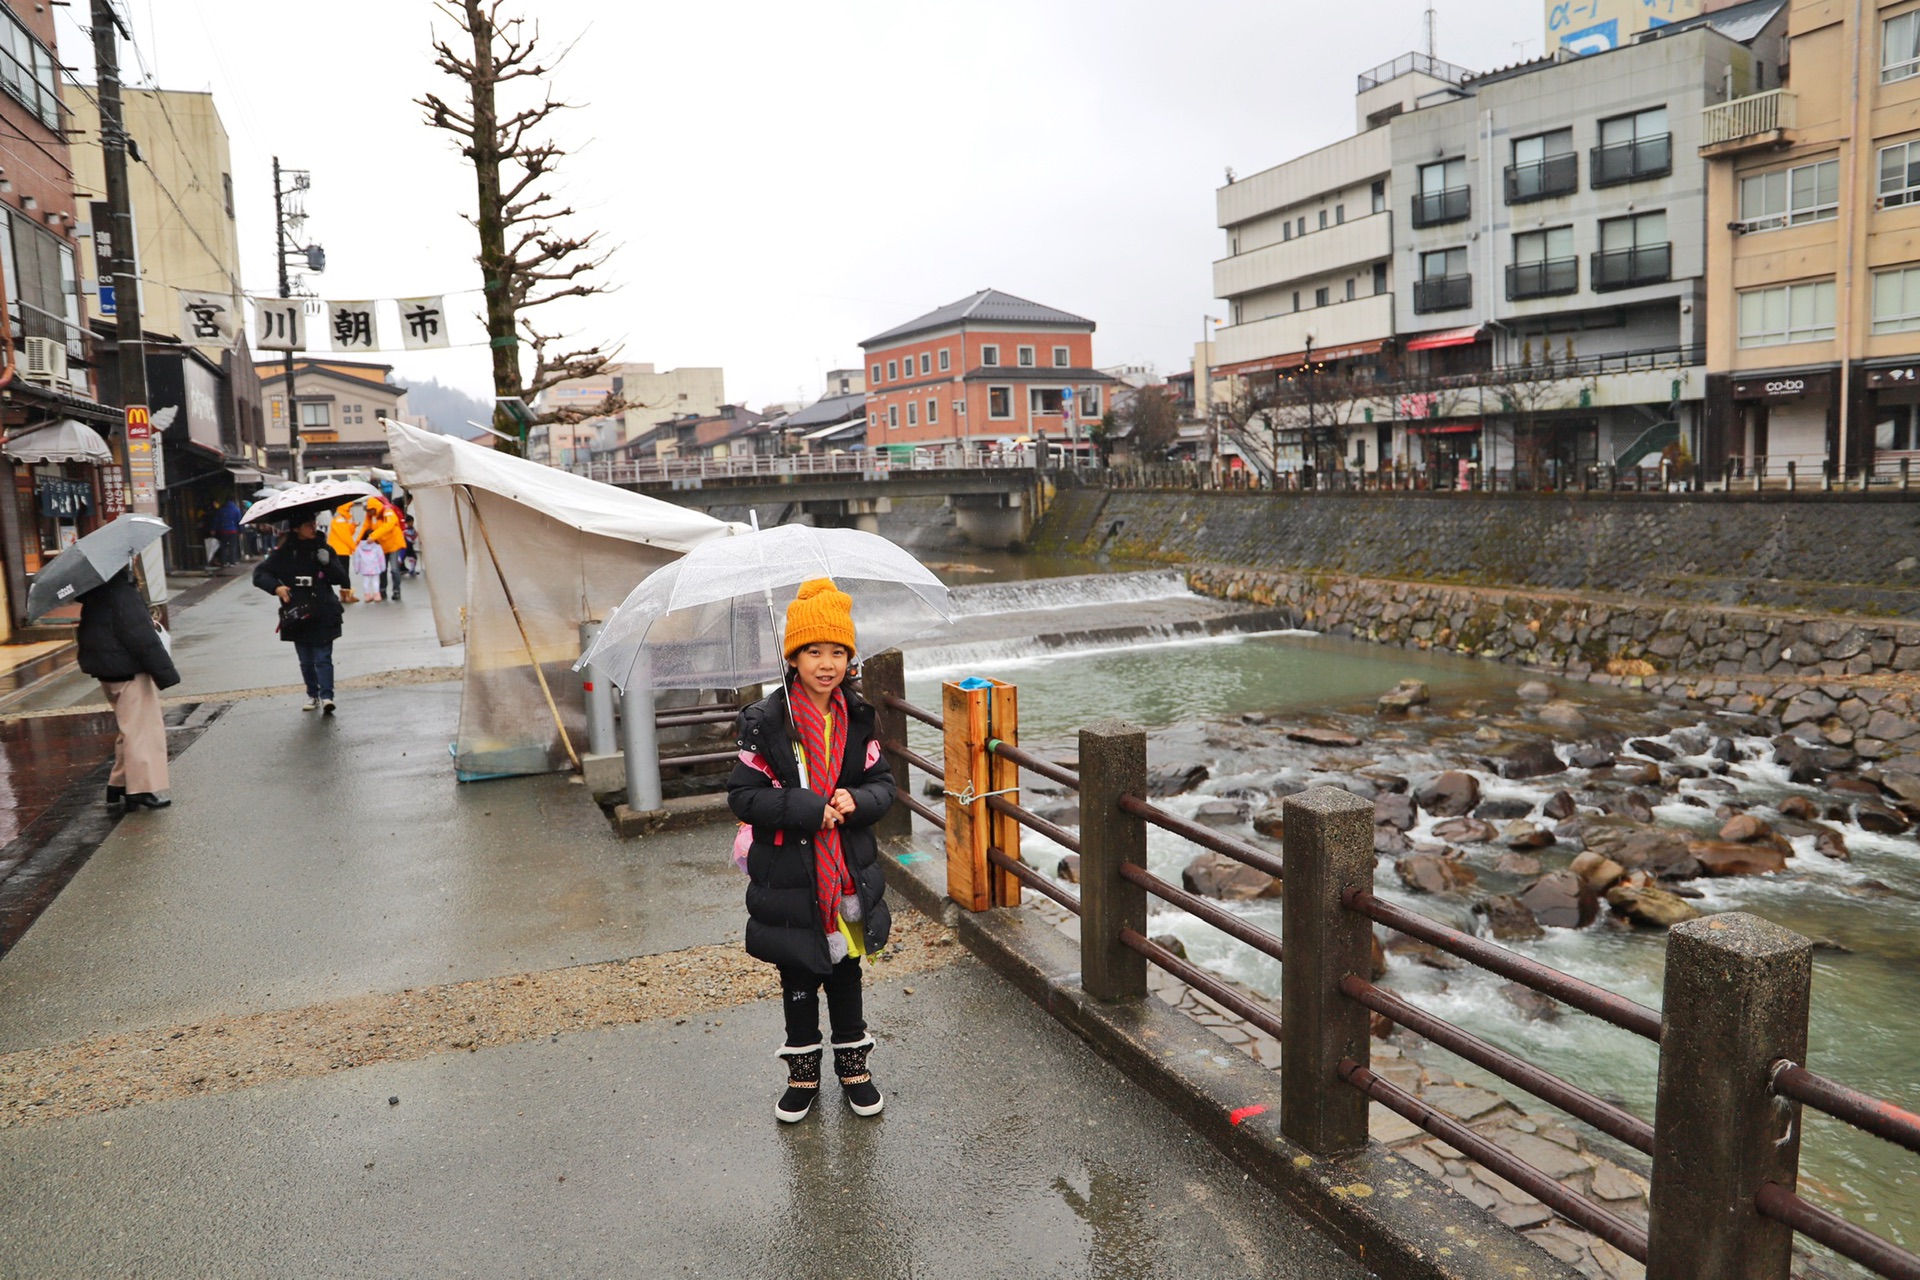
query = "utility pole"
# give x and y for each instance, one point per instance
(294, 460)
(135, 445)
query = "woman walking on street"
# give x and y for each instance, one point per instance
(121, 648)
(809, 786)
(303, 572)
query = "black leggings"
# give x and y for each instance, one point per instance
(799, 996)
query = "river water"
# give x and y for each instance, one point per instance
(1191, 692)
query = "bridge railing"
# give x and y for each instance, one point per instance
(872, 465)
(1724, 1142)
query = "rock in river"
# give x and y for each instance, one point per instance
(1597, 870)
(1404, 697)
(1559, 806)
(1465, 831)
(1524, 835)
(1502, 810)
(1650, 906)
(1174, 779)
(1427, 873)
(1719, 858)
(1524, 865)
(1884, 819)
(1221, 813)
(1323, 737)
(1394, 811)
(1561, 900)
(1744, 828)
(1528, 758)
(1213, 875)
(1451, 794)
(1508, 918)
(1271, 822)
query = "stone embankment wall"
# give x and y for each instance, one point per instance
(1652, 613)
(1834, 553)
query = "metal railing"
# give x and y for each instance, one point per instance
(867, 464)
(1748, 117)
(1425, 63)
(1626, 268)
(1546, 278)
(1436, 208)
(1442, 293)
(1719, 1058)
(1539, 179)
(1632, 161)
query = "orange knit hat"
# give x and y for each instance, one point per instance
(820, 614)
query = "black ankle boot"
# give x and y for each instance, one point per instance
(803, 1082)
(115, 794)
(850, 1064)
(145, 800)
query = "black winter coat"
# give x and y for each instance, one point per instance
(312, 570)
(783, 916)
(117, 640)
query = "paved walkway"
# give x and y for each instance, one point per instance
(334, 1014)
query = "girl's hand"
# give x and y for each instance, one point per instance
(830, 818)
(285, 593)
(842, 801)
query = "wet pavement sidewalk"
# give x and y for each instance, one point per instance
(335, 1014)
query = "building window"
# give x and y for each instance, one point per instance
(1045, 402)
(989, 355)
(1899, 174)
(893, 417)
(1026, 357)
(933, 411)
(1300, 226)
(42, 301)
(1633, 147)
(1379, 195)
(1633, 251)
(1443, 196)
(1352, 286)
(1543, 165)
(876, 374)
(1543, 264)
(946, 360)
(1339, 213)
(1444, 283)
(1893, 428)
(1321, 296)
(1059, 357)
(1789, 197)
(1379, 278)
(893, 371)
(1286, 229)
(1323, 220)
(873, 421)
(1296, 299)
(1788, 313)
(926, 362)
(1900, 48)
(913, 413)
(1089, 402)
(27, 70)
(1896, 300)
(315, 415)
(1000, 402)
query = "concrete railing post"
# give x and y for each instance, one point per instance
(1737, 993)
(1329, 849)
(886, 673)
(1113, 763)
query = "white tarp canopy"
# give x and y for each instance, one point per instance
(499, 534)
(67, 440)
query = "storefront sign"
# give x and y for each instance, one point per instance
(139, 423)
(64, 499)
(113, 492)
(1786, 386)
(1904, 376)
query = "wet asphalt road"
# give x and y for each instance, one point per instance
(306, 860)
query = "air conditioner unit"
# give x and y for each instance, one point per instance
(46, 361)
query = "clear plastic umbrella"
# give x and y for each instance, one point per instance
(307, 499)
(712, 619)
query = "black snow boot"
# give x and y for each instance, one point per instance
(803, 1082)
(850, 1064)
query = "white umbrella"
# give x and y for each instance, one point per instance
(306, 499)
(711, 619)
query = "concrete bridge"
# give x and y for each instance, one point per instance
(995, 496)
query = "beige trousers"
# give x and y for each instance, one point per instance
(140, 752)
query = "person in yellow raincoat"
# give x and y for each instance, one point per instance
(385, 527)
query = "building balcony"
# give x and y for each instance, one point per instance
(1629, 268)
(1759, 120)
(1442, 293)
(1348, 246)
(1632, 161)
(1553, 176)
(1436, 208)
(1546, 279)
(1340, 324)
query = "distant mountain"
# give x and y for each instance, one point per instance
(447, 409)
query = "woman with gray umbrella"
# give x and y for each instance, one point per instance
(121, 648)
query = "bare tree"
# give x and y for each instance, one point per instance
(1521, 399)
(1152, 421)
(526, 259)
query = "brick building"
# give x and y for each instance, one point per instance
(988, 369)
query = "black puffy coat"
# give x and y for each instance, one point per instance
(117, 640)
(783, 915)
(312, 571)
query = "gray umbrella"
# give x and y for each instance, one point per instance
(89, 562)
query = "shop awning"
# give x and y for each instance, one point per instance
(1445, 429)
(67, 440)
(1293, 360)
(1444, 338)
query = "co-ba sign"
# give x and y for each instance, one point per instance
(1789, 387)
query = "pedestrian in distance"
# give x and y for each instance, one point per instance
(226, 527)
(369, 563)
(385, 529)
(120, 646)
(349, 525)
(303, 572)
(809, 785)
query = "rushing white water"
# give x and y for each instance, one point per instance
(1866, 911)
(1069, 593)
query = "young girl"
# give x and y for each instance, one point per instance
(810, 784)
(369, 563)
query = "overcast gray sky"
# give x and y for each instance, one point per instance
(783, 180)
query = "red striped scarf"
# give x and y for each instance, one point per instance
(831, 881)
